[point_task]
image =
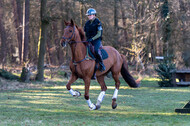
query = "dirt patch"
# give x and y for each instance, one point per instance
(15, 85)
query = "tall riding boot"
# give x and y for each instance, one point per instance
(94, 74)
(102, 66)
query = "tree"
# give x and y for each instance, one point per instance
(43, 38)
(3, 34)
(166, 27)
(18, 21)
(124, 22)
(115, 43)
(25, 35)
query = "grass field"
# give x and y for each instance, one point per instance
(52, 105)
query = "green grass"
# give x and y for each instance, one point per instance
(52, 105)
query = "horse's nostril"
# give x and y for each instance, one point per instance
(62, 43)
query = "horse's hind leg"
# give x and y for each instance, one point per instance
(117, 84)
(102, 93)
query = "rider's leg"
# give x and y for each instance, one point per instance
(97, 44)
(94, 74)
(99, 55)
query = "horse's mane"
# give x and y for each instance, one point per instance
(81, 33)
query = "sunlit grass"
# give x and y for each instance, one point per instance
(151, 79)
(176, 90)
(53, 105)
(82, 87)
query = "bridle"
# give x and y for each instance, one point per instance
(69, 38)
(70, 41)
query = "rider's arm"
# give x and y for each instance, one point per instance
(99, 33)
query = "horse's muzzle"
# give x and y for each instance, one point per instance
(63, 43)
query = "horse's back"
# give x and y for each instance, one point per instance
(113, 55)
(111, 51)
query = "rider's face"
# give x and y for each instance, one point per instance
(90, 17)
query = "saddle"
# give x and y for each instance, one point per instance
(91, 52)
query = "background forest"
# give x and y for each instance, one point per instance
(139, 29)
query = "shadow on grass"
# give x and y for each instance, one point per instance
(54, 103)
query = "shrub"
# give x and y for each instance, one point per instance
(164, 71)
(7, 75)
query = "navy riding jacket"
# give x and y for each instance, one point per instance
(91, 28)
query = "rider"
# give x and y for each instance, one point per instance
(93, 31)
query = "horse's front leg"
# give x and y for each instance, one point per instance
(86, 95)
(68, 86)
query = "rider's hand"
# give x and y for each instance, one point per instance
(90, 40)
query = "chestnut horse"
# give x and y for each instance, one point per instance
(82, 67)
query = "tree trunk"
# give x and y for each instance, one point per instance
(43, 37)
(18, 21)
(3, 36)
(49, 52)
(166, 28)
(116, 44)
(59, 56)
(26, 15)
(159, 48)
(124, 23)
(51, 47)
(81, 13)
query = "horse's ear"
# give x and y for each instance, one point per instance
(72, 22)
(66, 23)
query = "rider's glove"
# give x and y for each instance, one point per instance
(90, 40)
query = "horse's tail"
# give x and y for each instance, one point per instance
(126, 75)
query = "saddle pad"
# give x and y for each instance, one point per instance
(103, 52)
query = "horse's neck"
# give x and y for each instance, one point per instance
(78, 50)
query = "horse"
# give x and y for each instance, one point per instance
(82, 67)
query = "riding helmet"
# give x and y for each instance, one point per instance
(91, 11)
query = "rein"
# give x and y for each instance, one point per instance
(86, 57)
(71, 42)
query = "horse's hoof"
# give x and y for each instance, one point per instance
(77, 94)
(98, 107)
(114, 106)
(93, 107)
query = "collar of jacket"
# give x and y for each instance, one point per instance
(92, 20)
